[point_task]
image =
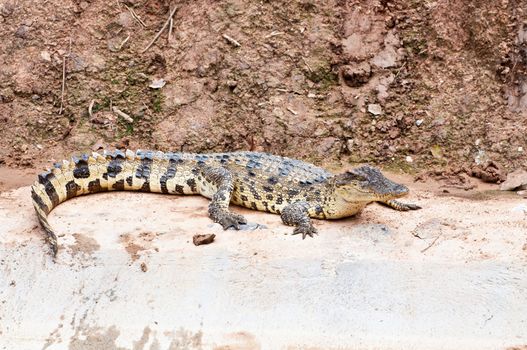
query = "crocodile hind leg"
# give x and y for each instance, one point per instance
(392, 203)
(296, 214)
(222, 183)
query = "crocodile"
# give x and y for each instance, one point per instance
(294, 189)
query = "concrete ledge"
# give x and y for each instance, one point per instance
(128, 277)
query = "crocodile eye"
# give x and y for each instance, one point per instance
(354, 176)
(348, 177)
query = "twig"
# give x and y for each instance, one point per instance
(307, 65)
(123, 42)
(135, 16)
(292, 111)
(399, 70)
(231, 40)
(170, 26)
(63, 83)
(431, 244)
(63, 79)
(273, 34)
(90, 108)
(160, 31)
(122, 115)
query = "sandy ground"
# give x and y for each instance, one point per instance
(450, 276)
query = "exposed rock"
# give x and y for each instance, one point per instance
(375, 109)
(515, 180)
(203, 239)
(22, 32)
(45, 56)
(488, 172)
(357, 75)
(389, 56)
(125, 19)
(382, 87)
(182, 92)
(157, 83)
(386, 58)
(76, 63)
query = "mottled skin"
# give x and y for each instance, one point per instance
(294, 189)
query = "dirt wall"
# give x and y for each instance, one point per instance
(407, 84)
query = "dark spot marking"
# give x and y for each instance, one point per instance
(144, 169)
(192, 185)
(242, 189)
(243, 197)
(273, 180)
(279, 200)
(293, 192)
(81, 171)
(251, 173)
(71, 189)
(129, 180)
(269, 197)
(170, 173)
(267, 189)
(253, 205)
(179, 189)
(114, 167)
(319, 210)
(149, 155)
(44, 179)
(221, 196)
(119, 185)
(39, 201)
(146, 186)
(305, 183)
(94, 186)
(163, 184)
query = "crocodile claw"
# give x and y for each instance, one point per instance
(305, 231)
(231, 220)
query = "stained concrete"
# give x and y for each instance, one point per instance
(450, 276)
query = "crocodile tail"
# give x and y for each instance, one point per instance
(109, 171)
(43, 210)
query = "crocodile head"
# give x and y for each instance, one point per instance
(367, 184)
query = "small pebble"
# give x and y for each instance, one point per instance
(418, 122)
(375, 109)
(203, 239)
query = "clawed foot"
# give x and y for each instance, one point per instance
(305, 230)
(227, 220)
(401, 206)
(410, 206)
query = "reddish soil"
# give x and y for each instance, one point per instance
(410, 85)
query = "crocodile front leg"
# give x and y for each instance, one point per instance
(401, 206)
(296, 214)
(219, 212)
